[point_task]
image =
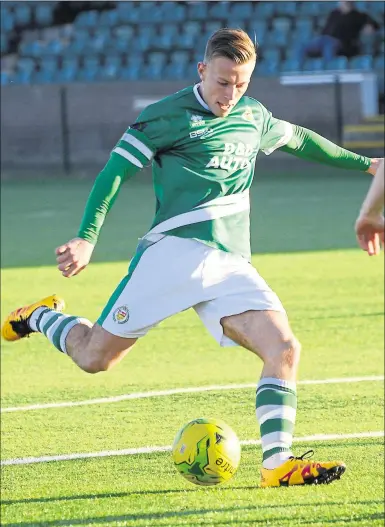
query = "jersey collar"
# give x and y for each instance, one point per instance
(199, 98)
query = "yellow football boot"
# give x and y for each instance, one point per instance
(301, 471)
(16, 325)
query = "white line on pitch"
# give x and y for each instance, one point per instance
(176, 391)
(155, 449)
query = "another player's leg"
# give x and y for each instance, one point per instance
(90, 346)
(268, 334)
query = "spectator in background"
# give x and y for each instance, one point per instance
(341, 33)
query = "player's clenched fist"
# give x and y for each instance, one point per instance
(73, 256)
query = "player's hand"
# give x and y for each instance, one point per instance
(375, 162)
(370, 233)
(73, 256)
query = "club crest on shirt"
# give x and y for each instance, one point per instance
(196, 120)
(138, 126)
(248, 114)
(121, 315)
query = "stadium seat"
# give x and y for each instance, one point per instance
(125, 32)
(130, 73)
(175, 71)
(368, 44)
(108, 72)
(264, 10)
(338, 63)
(26, 65)
(70, 63)
(65, 75)
(42, 77)
(7, 21)
(4, 44)
(197, 11)
(220, 10)
(277, 39)
(191, 72)
(267, 68)
(281, 25)
(153, 72)
(290, 65)
(165, 42)
(180, 57)
(127, 13)
(97, 44)
(286, 9)
(378, 64)
(89, 19)
(114, 61)
(54, 47)
(22, 77)
(174, 12)
(23, 14)
(314, 65)
(271, 54)
(157, 57)
(241, 10)
(87, 75)
(135, 60)
(5, 78)
(312, 9)
(362, 62)
(212, 26)
(185, 41)
(43, 14)
(168, 29)
(304, 28)
(49, 64)
(91, 62)
(108, 18)
(192, 27)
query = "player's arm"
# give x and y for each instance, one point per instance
(311, 146)
(370, 223)
(134, 151)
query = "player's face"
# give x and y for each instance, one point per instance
(223, 83)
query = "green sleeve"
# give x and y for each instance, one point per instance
(103, 194)
(308, 145)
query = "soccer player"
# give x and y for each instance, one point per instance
(202, 142)
(370, 222)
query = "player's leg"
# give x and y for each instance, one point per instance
(90, 346)
(244, 310)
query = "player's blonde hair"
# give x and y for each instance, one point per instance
(234, 44)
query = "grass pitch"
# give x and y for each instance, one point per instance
(304, 246)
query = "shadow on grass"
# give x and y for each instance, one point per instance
(107, 520)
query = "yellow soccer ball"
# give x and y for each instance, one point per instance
(206, 451)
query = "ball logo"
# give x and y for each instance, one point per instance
(121, 314)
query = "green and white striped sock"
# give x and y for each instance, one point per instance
(276, 405)
(54, 325)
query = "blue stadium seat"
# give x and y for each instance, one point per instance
(309, 9)
(174, 13)
(267, 68)
(338, 63)
(153, 72)
(70, 63)
(4, 44)
(135, 60)
(243, 10)
(192, 27)
(76, 47)
(23, 14)
(65, 75)
(286, 8)
(212, 26)
(97, 44)
(185, 41)
(26, 65)
(7, 21)
(168, 29)
(108, 18)
(88, 19)
(43, 14)
(303, 28)
(175, 71)
(163, 42)
(277, 39)
(271, 54)
(125, 32)
(157, 57)
(146, 30)
(197, 11)
(282, 24)
(108, 72)
(54, 47)
(191, 72)
(149, 13)
(130, 73)
(314, 65)
(113, 61)
(362, 62)
(264, 10)
(127, 12)
(43, 77)
(49, 64)
(87, 75)
(91, 62)
(290, 65)
(180, 57)
(5, 78)
(368, 44)
(220, 10)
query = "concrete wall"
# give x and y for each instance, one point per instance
(32, 133)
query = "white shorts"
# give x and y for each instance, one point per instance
(175, 274)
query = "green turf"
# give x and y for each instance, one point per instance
(334, 297)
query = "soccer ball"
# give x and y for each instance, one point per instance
(206, 451)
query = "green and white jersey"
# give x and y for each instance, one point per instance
(203, 165)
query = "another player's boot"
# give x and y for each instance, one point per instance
(16, 324)
(301, 471)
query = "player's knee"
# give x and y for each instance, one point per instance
(96, 364)
(291, 351)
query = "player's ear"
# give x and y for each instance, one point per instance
(201, 70)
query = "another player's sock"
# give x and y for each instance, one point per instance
(55, 326)
(276, 405)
